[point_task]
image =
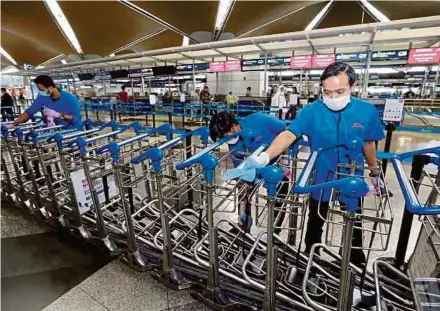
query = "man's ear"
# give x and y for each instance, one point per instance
(353, 87)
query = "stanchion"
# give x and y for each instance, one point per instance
(391, 127)
(154, 117)
(170, 118)
(418, 163)
(280, 114)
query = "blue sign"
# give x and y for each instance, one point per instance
(278, 61)
(390, 55)
(253, 62)
(352, 57)
(189, 67)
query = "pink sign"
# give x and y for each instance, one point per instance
(233, 65)
(424, 56)
(322, 61)
(217, 66)
(298, 62)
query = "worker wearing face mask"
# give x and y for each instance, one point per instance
(59, 107)
(264, 129)
(278, 100)
(336, 118)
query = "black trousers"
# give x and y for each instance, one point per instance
(315, 228)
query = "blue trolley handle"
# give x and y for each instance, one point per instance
(35, 138)
(156, 154)
(409, 193)
(60, 137)
(294, 148)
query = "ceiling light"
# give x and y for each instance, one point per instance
(53, 59)
(319, 16)
(63, 24)
(7, 56)
(185, 41)
(375, 12)
(9, 69)
(222, 13)
(63, 61)
(132, 43)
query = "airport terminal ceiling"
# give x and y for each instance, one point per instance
(30, 34)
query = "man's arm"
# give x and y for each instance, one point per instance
(280, 144)
(21, 119)
(370, 154)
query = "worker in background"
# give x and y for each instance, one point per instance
(248, 92)
(205, 98)
(7, 104)
(293, 104)
(230, 99)
(278, 101)
(264, 129)
(57, 105)
(123, 95)
(336, 118)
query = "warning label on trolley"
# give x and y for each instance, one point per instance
(83, 193)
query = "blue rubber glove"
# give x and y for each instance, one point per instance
(247, 173)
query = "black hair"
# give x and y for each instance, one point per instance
(45, 81)
(334, 69)
(3, 89)
(123, 87)
(230, 92)
(220, 124)
(248, 88)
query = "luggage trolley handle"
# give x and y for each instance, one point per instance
(156, 154)
(409, 193)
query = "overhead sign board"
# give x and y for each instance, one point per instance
(253, 62)
(424, 56)
(389, 55)
(278, 61)
(217, 66)
(189, 67)
(299, 62)
(322, 61)
(352, 57)
(233, 65)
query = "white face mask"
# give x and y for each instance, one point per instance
(233, 141)
(336, 104)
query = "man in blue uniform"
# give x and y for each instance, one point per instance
(55, 103)
(264, 130)
(336, 118)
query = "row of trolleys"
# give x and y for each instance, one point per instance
(156, 197)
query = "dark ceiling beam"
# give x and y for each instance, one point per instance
(158, 20)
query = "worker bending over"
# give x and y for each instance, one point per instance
(56, 104)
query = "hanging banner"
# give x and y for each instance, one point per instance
(424, 56)
(299, 62)
(233, 65)
(217, 66)
(322, 61)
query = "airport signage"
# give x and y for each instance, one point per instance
(322, 61)
(189, 67)
(301, 62)
(278, 61)
(424, 56)
(253, 62)
(217, 66)
(233, 65)
(389, 55)
(352, 57)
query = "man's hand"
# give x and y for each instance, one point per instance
(10, 125)
(51, 113)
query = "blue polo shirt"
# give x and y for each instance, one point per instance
(67, 104)
(325, 128)
(264, 130)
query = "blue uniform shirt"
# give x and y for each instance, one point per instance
(325, 128)
(67, 104)
(264, 130)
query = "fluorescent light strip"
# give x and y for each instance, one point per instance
(63, 24)
(63, 61)
(151, 35)
(222, 13)
(53, 59)
(7, 56)
(319, 16)
(270, 22)
(185, 41)
(376, 13)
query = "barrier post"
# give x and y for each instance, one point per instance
(391, 127)
(280, 114)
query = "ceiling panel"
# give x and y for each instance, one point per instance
(165, 39)
(29, 34)
(407, 9)
(248, 15)
(114, 27)
(344, 13)
(188, 16)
